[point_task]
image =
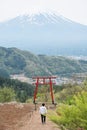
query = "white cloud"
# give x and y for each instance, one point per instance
(73, 9)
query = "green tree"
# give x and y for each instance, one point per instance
(44, 93)
(66, 94)
(22, 96)
(7, 94)
(72, 116)
(23, 90)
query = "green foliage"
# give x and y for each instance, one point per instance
(16, 61)
(7, 94)
(4, 73)
(84, 86)
(12, 62)
(73, 116)
(58, 88)
(23, 90)
(66, 93)
(43, 94)
(60, 65)
(29, 100)
(22, 96)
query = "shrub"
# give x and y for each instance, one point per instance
(7, 94)
(72, 116)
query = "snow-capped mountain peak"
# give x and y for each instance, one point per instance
(43, 31)
(41, 18)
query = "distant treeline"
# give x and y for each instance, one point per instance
(22, 90)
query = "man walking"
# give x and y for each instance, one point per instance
(43, 112)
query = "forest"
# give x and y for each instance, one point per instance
(11, 89)
(16, 61)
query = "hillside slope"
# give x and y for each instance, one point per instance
(15, 61)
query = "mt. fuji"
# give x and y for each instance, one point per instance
(44, 33)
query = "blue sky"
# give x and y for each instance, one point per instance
(75, 10)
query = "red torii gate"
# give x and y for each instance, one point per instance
(44, 81)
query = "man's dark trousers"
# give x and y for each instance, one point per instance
(43, 118)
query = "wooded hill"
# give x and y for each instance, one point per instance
(15, 61)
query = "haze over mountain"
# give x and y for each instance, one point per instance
(46, 33)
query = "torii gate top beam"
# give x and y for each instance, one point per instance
(44, 77)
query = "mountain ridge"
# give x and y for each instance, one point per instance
(15, 61)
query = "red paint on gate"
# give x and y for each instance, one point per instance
(44, 80)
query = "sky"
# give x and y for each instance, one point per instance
(75, 10)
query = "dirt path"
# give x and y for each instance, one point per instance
(19, 116)
(35, 123)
